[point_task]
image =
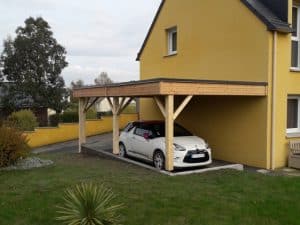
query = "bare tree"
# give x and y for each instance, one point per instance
(103, 79)
(77, 84)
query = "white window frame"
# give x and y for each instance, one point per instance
(295, 130)
(296, 38)
(170, 33)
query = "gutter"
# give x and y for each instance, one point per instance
(274, 78)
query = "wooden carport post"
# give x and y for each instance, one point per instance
(115, 105)
(116, 126)
(170, 116)
(169, 120)
(117, 108)
(82, 119)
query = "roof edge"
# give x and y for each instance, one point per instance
(176, 80)
(150, 30)
(268, 23)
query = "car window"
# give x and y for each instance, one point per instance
(129, 127)
(159, 130)
(143, 129)
(139, 131)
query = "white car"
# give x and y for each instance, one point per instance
(146, 140)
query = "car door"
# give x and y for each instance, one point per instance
(139, 144)
(127, 135)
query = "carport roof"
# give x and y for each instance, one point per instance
(166, 86)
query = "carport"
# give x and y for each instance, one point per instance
(163, 91)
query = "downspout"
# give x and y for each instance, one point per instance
(274, 78)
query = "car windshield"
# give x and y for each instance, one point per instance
(158, 130)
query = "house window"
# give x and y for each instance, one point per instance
(293, 115)
(295, 38)
(172, 41)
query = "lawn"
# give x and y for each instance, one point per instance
(227, 197)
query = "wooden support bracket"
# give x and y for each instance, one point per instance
(86, 103)
(160, 106)
(110, 104)
(182, 106)
(124, 105)
(88, 106)
(121, 104)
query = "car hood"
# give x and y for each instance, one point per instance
(189, 142)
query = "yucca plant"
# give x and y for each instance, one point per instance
(89, 204)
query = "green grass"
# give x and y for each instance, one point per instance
(227, 197)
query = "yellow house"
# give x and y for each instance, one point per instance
(234, 41)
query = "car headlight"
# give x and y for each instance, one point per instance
(178, 147)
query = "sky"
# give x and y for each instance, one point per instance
(99, 35)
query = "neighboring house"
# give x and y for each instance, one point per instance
(102, 106)
(23, 103)
(231, 40)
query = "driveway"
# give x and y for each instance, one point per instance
(72, 146)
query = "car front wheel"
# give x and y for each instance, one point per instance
(122, 152)
(159, 160)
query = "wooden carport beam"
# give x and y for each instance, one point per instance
(82, 120)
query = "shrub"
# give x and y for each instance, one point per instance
(24, 120)
(54, 120)
(89, 204)
(91, 114)
(13, 145)
(72, 116)
(69, 117)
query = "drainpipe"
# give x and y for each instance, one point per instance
(274, 76)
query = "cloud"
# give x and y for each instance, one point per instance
(119, 69)
(99, 35)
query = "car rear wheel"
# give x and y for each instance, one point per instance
(159, 160)
(122, 150)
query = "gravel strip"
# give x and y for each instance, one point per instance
(28, 163)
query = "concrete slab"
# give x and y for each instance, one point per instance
(95, 149)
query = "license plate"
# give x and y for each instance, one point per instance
(197, 156)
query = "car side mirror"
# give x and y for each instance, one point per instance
(147, 136)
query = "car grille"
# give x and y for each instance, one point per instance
(188, 157)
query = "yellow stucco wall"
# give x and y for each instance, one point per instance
(288, 83)
(217, 40)
(66, 132)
